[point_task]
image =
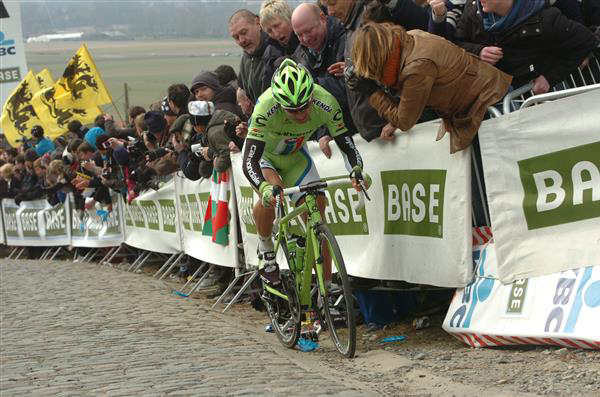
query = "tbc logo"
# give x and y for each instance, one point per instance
(7, 47)
(565, 287)
(478, 290)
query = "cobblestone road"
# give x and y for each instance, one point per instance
(80, 329)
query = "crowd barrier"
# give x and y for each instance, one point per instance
(543, 193)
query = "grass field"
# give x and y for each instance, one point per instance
(148, 67)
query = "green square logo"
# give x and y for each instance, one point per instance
(414, 202)
(185, 212)
(29, 222)
(56, 221)
(195, 212)
(151, 213)
(168, 211)
(340, 214)
(10, 222)
(561, 187)
(245, 207)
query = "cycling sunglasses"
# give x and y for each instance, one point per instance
(297, 110)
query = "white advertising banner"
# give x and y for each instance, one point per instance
(417, 226)
(542, 172)
(36, 223)
(199, 240)
(560, 309)
(98, 228)
(13, 66)
(151, 221)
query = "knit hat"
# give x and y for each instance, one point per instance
(209, 79)
(155, 121)
(201, 112)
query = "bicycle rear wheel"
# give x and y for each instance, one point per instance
(285, 314)
(339, 311)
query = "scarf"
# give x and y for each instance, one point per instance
(520, 11)
(390, 68)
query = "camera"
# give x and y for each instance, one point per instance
(105, 145)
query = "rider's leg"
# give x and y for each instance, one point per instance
(263, 218)
(321, 203)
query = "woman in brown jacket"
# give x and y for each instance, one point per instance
(420, 69)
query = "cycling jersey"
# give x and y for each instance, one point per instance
(279, 140)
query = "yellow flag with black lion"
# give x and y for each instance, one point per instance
(75, 96)
(18, 115)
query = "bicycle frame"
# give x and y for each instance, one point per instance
(303, 271)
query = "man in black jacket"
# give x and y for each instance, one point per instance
(528, 40)
(321, 50)
(258, 61)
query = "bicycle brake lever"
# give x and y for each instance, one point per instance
(364, 189)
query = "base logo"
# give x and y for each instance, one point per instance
(341, 215)
(414, 202)
(561, 187)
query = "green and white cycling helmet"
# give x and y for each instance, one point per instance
(292, 85)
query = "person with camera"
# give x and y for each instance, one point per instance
(160, 157)
(42, 145)
(210, 146)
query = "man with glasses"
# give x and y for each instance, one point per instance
(275, 154)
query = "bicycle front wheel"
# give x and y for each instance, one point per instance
(337, 305)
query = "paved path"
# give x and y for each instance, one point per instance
(80, 329)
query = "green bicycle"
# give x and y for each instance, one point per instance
(293, 297)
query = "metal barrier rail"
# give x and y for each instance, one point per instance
(589, 76)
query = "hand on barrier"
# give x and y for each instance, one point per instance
(387, 132)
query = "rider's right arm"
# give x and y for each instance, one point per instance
(253, 151)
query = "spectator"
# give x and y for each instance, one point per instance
(321, 50)
(93, 134)
(43, 145)
(258, 61)
(206, 87)
(276, 21)
(123, 133)
(425, 70)
(210, 146)
(76, 130)
(444, 16)
(99, 121)
(169, 114)
(227, 76)
(9, 185)
(351, 13)
(159, 158)
(525, 39)
(19, 169)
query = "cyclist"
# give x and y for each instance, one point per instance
(284, 118)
